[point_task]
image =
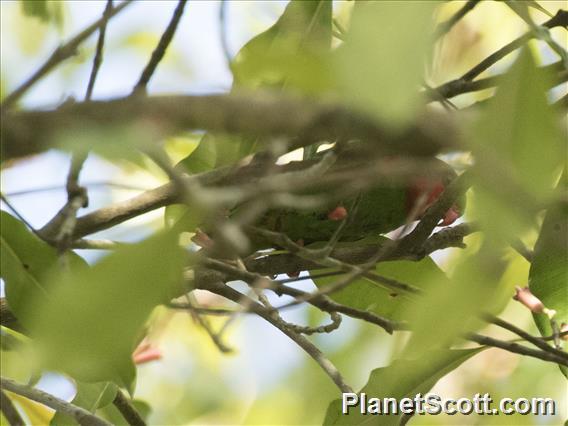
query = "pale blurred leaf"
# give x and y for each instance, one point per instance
(381, 65)
(518, 148)
(373, 297)
(26, 265)
(403, 378)
(94, 318)
(548, 276)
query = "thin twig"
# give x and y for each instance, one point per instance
(160, 49)
(82, 416)
(9, 411)
(77, 196)
(538, 342)
(223, 5)
(558, 20)
(97, 244)
(204, 323)
(127, 410)
(60, 54)
(516, 348)
(522, 249)
(445, 27)
(90, 185)
(97, 60)
(326, 365)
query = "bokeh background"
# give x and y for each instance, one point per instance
(267, 380)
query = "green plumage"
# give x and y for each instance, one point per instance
(379, 210)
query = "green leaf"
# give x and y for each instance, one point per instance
(367, 295)
(404, 378)
(93, 320)
(26, 264)
(508, 145)
(380, 67)
(90, 396)
(453, 309)
(36, 8)
(46, 11)
(201, 158)
(289, 52)
(548, 275)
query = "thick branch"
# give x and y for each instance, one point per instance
(262, 114)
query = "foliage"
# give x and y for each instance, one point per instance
(334, 155)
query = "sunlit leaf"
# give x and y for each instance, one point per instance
(454, 309)
(26, 264)
(93, 321)
(380, 67)
(510, 139)
(404, 378)
(388, 302)
(290, 52)
(548, 276)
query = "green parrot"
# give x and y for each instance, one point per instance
(378, 210)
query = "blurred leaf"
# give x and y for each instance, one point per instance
(548, 276)
(37, 8)
(92, 322)
(89, 396)
(290, 52)
(380, 67)
(510, 139)
(114, 143)
(367, 295)
(453, 310)
(203, 157)
(46, 11)
(26, 264)
(404, 378)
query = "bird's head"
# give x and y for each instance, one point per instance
(425, 190)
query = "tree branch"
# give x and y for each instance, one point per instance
(161, 48)
(558, 20)
(127, 410)
(60, 54)
(326, 365)
(445, 27)
(516, 348)
(82, 416)
(259, 114)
